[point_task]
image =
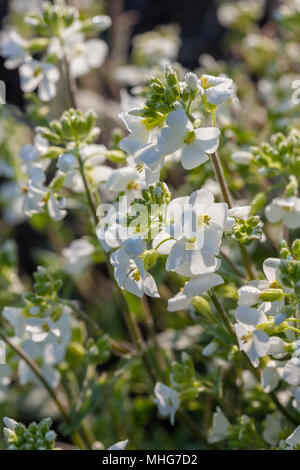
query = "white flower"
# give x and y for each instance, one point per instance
(240, 212)
(37, 197)
(66, 162)
(85, 55)
(129, 269)
(78, 256)
(149, 156)
(210, 349)
(56, 207)
(35, 74)
(167, 401)
(139, 134)
(250, 294)
(191, 80)
(291, 371)
(216, 90)
(43, 340)
(277, 347)
(13, 48)
(11, 199)
(293, 441)
(10, 423)
(242, 157)
(33, 202)
(198, 236)
(119, 445)
(220, 427)
(253, 341)
(286, 210)
(179, 302)
(273, 428)
(270, 376)
(16, 318)
(195, 143)
(195, 286)
(125, 179)
(31, 155)
(200, 284)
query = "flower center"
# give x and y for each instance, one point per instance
(204, 83)
(133, 185)
(79, 49)
(190, 244)
(275, 285)
(189, 137)
(246, 338)
(135, 275)
(139, 168)
(37, 71)
(203, 219)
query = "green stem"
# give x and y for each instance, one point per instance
(227, 198)
(130, 321)
(87, 189)
(223, 315)
(120, 348)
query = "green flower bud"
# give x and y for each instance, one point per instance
(75, 353)
(292, 187)
(271, 295)
(201, 305)
(117, 156)
(38, 44)
(296, 249)
(149, 257)
(258, 203)
(57, 183)
(171, 76)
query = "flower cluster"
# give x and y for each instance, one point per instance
(180, 203)
(60, 40)
(35, 437)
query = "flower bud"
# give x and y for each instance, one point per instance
(258, 203)
(201, 305)
(66, 162)
(75, 353)
(271, 295)
(296, 249)
(191, 81)
(149, 257)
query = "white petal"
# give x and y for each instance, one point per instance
(177, 119)
(274, 213)
(96, 52)
(150, 287)
(218, 94)
(178, 302)
(119, 445)
(271, 269)
(193, 156)
(54, 210)
(198, 285)
(248, 295)
(248, 315)
(170, 139)
(208, 138)
(291, 372)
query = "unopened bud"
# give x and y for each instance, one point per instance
(271, 295)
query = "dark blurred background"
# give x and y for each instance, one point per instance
(200, 29)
